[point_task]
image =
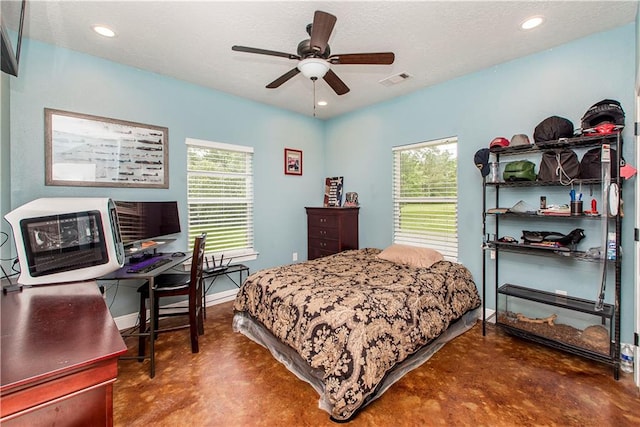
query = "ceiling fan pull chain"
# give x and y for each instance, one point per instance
(314, 96)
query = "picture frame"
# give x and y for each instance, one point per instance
(292, 161)
(92, 151)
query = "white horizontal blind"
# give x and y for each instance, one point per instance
(425, 196)
(220, 196)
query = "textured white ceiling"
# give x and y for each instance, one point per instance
(433, 41)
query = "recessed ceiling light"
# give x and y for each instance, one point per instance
(104, 31)
(322, 103)
(532, 22)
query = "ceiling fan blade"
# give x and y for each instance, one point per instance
(336, 84)
(283, 78)
(321, 29)
(380, 58)
(264, 52)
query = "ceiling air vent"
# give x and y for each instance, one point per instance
(395, 79)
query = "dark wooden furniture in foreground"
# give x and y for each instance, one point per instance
(60, 349)
(331, 230)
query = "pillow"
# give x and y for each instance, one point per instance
(411, 255)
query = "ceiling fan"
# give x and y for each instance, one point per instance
(314, 56)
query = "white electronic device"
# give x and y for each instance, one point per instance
(62, 240)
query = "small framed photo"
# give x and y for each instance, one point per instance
(292, 161)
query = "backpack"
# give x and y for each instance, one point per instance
(551, 129)
(519, 170)
(590, 167)
(559, 165)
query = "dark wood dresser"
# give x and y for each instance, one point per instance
(60, 349)
(331, 230)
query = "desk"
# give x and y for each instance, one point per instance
(149, 276)
(214, 273)
(60, 349)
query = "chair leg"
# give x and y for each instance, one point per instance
(200, 319)
(193, 326)
(143, 328)
(200, 308)
(156, 314)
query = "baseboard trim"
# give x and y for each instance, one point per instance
(489, 315)
(128, 321)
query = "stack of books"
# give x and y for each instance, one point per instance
(556, 210)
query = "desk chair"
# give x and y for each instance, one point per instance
(176, 284)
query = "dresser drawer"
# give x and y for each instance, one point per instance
(330, 221)
(323, 233)
(330, 246)
(318, 253)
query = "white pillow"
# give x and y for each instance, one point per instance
(411, 255)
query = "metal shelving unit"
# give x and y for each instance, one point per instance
(509, 298)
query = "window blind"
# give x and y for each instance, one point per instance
(220, 196)
(425, 196)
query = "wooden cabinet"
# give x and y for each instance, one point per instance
(60, 349)
(331, 230)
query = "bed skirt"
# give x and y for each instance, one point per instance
(254, 330)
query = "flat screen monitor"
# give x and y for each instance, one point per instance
(11, 26)
(144, 221)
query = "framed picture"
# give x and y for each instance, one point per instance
(333, 191)
(92, 151)
(292, 161)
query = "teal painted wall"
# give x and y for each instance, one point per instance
(67, 80)
(500, 101)
(504, 100)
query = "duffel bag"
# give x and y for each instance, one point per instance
(519, 170)
(559, 165)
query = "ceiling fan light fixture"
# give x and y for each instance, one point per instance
(313, 68)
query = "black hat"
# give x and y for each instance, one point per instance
(481, 159)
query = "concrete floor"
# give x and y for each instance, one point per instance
(495, 380)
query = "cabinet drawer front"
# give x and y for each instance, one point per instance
(325, 245)
(323, 233)
(318, 253)
(323, 221)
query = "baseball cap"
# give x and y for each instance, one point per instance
(520, 140)
(481, 159)
(498, 143)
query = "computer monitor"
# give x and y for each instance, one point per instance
(146, 221)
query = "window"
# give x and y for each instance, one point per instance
(425, 196)
(220, 197)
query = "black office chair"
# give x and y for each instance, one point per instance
(176, 284)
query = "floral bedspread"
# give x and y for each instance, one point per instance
(354, 316)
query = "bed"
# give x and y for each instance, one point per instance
(353, 323)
